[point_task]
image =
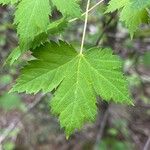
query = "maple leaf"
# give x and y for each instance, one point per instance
(78, 79)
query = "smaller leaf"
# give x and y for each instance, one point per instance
(133, 18)
(133, 13)
(31, 18)
(53, 28)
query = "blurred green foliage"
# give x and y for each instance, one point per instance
(113, 144)
(9, 146)
(146, 59)
(11, 101)
(5, 79)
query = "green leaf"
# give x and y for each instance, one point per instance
(133, 12)
(78, 79)
(114, 5)
(68, 8)
(133, 18)
(33, 24)
(53, 28)
(140, 4)
(32, 18)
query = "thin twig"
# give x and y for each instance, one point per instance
(92, 8)
(105, 28)
(147, 145)
(85, 26)
(103, 121)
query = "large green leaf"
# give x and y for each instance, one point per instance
(78, 79)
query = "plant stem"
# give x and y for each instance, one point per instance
(85, 26)
(103, 31)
